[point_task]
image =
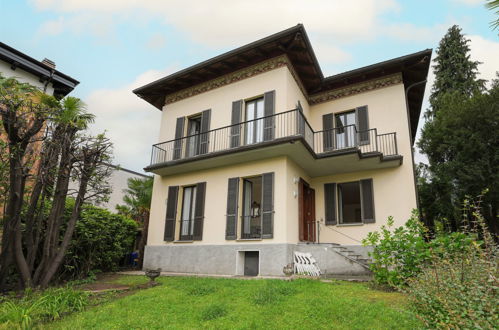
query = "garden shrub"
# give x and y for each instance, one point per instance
(400, 253)
(397, 253)
(100, 241)
(458, 288)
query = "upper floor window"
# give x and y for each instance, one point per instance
(254, 127)
(193, 130)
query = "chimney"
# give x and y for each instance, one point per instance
(49, 63)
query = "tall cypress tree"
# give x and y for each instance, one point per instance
(454, 70)
(459, 136)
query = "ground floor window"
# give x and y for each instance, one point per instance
(252, 201)
(188, 211)
(349, 203)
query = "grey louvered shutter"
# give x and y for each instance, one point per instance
(199, 211)
(362, 124)
(179, 133)
(235, 130)
(367, 199)
(328, 132)
(330, 203)
(268, 110)
(171, 213)
(205, 127)
(267, 205)
(300, 119)
(232, 202)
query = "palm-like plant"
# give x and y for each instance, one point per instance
(137, 199)
(493, 5)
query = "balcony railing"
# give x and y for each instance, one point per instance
(272, 129)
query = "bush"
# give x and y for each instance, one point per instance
(399, 253)
(37, 307)
(100, 241)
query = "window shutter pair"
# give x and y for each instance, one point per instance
(366, 198)
(237, 118)
(203, 138)
(267, 207)
(171, 212)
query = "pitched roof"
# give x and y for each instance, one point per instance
(295, 44)
(63, 84)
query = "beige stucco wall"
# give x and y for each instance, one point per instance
(220, 100)
(216, 200)
(394, 195)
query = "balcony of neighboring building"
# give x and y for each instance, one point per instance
(340, 149)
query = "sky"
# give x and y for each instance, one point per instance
(114, 46)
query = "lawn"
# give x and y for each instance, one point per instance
(190, 303)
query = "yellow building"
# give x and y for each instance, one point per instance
(260, 156)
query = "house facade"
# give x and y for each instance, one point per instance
(261, 156)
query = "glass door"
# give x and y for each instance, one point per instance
(254, 128)
(193, 130)
(345, 130)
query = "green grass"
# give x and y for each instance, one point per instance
(193, 303)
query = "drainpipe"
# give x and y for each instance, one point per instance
(410, 136)
(48, 81)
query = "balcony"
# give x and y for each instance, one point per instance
(286, 133)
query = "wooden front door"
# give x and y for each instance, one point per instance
(307, 224)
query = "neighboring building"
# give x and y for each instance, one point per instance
(264, 156)
(41, 74)
(119, 182)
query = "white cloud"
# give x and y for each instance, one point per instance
(485, 51)
(227, 22)
(98, 26)
(131, 123)
(53, 27)
(409, 32)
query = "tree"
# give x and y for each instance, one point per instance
(46, 148)
(464, 137)
(455, 75)
(137, 206)
(454, 70)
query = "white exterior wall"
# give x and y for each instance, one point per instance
(23, 76)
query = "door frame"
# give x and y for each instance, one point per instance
(311, 235)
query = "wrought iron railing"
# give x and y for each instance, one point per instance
(271, 129)
(251, 227)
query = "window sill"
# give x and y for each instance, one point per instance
(349, 224)
(184, 241)
(248, 239)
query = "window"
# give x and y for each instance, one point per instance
(345, 129)
(252, 201)
(193, 130)
(253, 216)
(349, 202)
(188, 212)
(191, 212)
(254, 128)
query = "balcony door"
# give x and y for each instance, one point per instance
(193, 131)
(252, 201)
(345, 129)
(254, 126)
